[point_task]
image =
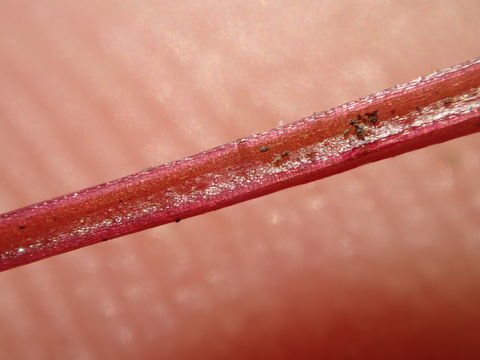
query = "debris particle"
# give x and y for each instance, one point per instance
(22, 227)
(277, 158)
(360, 128)
(264, 148)
(178, 220)
(372, 117)
(447, 101)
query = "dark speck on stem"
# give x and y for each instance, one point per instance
(359, 126)
(372, 117)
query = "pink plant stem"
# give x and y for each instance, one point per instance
(425, 111)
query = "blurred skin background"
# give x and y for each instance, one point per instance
(379, 262)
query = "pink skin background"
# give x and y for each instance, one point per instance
(379, 262)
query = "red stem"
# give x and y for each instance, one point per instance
(423, 112)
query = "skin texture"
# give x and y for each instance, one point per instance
(379, 262)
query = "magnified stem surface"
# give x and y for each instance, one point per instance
(425, 111)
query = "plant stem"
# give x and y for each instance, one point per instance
(425, 111)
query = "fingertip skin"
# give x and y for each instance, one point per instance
(425, 111)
